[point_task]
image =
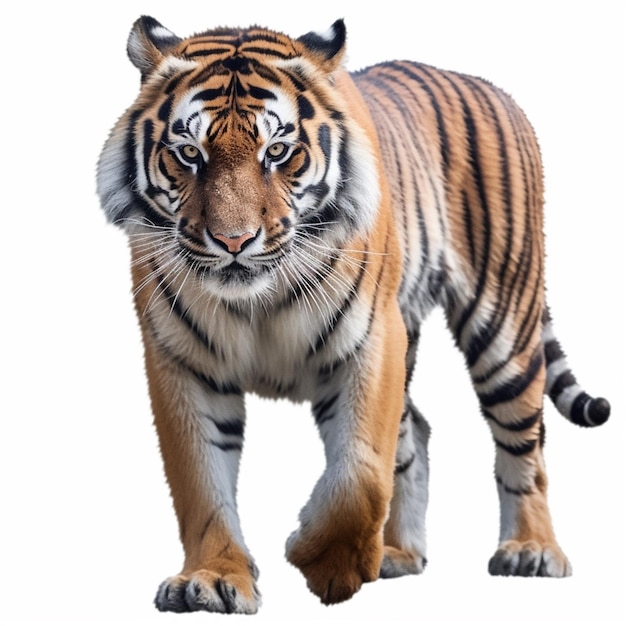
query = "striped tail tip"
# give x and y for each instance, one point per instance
(580, 408)
(597, 411)
(570, 399)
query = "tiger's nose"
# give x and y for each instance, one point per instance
(234, 243)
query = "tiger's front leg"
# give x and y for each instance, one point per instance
(358, 407)
(200, 429)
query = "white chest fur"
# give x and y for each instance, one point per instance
(276, 352)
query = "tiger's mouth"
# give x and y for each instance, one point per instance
(242, 277)
(236, 273)
(233, 275)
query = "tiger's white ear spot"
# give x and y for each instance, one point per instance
(159, 33)
(326, 48)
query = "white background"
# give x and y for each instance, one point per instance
(87, 530)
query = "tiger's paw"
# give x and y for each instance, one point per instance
(204, 590)
(400, 563)
(336, 570)
(514, 558)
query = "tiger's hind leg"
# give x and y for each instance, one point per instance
(511, 393)
(405, 535)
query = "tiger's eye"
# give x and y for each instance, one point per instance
(190, 152)
(277, 150)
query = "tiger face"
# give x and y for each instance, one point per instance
(233, 158)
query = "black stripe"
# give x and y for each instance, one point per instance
(207, 525)
(163, 169)
(130, 167)
(385, 121)
(357, 348)
(173, 84)
(266, 73)
(377, 292)
(258, 93)
(517, 426)
(148, 144)
(267, 52)
(322, 409)
(222, 388)
(400, 469)
(529, 324)
(553, 351)
(294, 78)
(514, 492)
(227, 447)
(255, 35)
(305, 108)
(152, 217)
(532, 318)
(520, 278)
(597, 410)
(326, 371)
(482, 340)
(469, 228)
(521, 344)
(478, 179)
(182, 312)
(209, 94)
(232, 427)
(325, 143)
(165, 109)
(565, 380)
(578, 409)
(412, 72)
(340, 313)
(519, 450)
(432, 178)
(207, 52)
(516, 386)
(207, 72)
(306, 163)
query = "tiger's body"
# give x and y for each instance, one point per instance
(291, 226)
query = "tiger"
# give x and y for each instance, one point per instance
(291, 225)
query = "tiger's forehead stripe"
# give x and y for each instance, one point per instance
(243, 43)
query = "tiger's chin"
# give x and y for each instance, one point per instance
(240, 286)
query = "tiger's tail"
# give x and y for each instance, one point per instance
(570, 399)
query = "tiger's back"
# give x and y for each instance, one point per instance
(467, 189)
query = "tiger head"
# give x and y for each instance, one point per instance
(239, 155)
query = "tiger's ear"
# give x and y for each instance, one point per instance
(148, 43)
(326, 48)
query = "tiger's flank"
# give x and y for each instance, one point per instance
(291, 225)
